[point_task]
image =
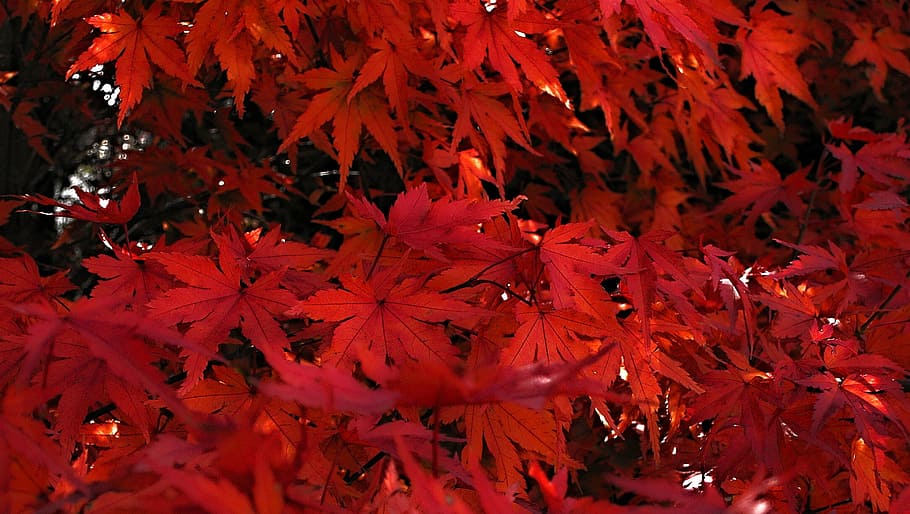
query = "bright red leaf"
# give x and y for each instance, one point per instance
(133, 43)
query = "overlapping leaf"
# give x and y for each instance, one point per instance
(135, 44)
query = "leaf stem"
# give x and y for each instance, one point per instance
(818, 180)
(385, 239)
(474, 280)
(879, 311)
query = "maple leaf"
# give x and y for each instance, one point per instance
(258, 254)
(112, 336)
(883, 48)
(795, 309)
(530, 385)
(233, 29)
(21, 282)
(694, 21)
(882, 158)
(94, 208)
(549, 336)
(348, 113)
(479, 102)
(873, 475)
(428, 492)
(27, 455)
(328, 388)
(425, 225)
(492, 33)
(132, 43)
(735, 288)
(554, 493)
(641, 262)
(760, 187)
(85, 379)
(770, 45)
(215, 301)
(854, 281)
(742, 408)
(870, 397)
(508, 431)
(136, 280)
(570, 259)
(392, 62)
(384, 320)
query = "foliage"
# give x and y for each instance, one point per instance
(455, 256)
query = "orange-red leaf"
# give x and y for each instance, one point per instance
(133, 43)
(770, 46)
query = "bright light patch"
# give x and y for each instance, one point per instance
(697, 480)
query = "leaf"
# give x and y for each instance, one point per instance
(385, 321)
(872, 472)
(348, 114)
(885, 157)
(94, 208)
(258, 253)
(86, 379)
(882, 47)
(216, 301)
(795, 310)
(508, 431)
(329, 388)
(641, 262)
(871, 398)
(760, 187)
(433, 226)
(393, 62)
(478, 102)
(233, 29)
(570, 260)
(136, 280)
(133, 43)
(492, 33)
(115, 337)
(849, 282)
(693, 21)
(531, 385)
(770, 46)
(20, 282)
(549, 336)
(428, 492)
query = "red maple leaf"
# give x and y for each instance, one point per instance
(501, 38)
(117, 338)
(771, 43)
(884, 157)
(883, 48)
(570, 260)
(479, 102)
(430, 226)
(94, 208)
(348, 111)
(549, 336)
(694, 21)
(133, 43)
(384, 320)
(216, 301)
(135, 279)
(20, 282)
(233, 30)
(760, 187)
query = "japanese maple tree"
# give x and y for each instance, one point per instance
(454, 256)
